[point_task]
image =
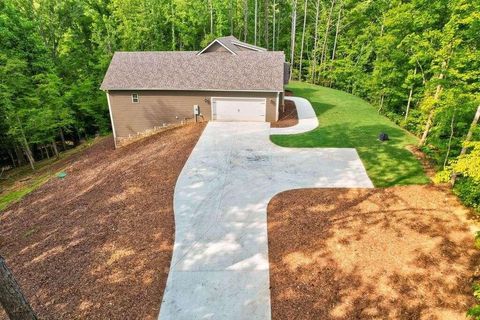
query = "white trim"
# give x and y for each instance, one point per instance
(277, 106)
(167, 89)
(211, 43)
(241, 98)
(248, 46)
(111, 120)
(138, 97)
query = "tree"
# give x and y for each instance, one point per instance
(11, 298)
(303, 39)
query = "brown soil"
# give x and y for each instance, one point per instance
(396, 253)
(97, 244)
(287, 117)
(427, 164)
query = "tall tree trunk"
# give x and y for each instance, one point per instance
(303, 39)
(26, 147)
(449, 140)
(48, 153)
(256, 22)
(336, 31)
(12, 158)
(382, 98)
(20, 155)
(278, 28)
(62, 138)
(273, 26)
(323, 57)
(471, 129)
(292, 45)
(245, 20)
(313, 62)
(230, 16)
(55, 149)
(265, 29)
(211, 16)
(172, 12)
(11, 298)
(431, 114)
(409, 102)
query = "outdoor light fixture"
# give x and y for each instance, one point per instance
(206, 100)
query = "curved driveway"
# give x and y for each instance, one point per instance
(220, 267)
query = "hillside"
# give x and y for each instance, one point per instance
(99, 241)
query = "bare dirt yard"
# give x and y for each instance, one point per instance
(395, 253)
(97, 244)
(287, 117)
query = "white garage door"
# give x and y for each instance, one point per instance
(238, 109)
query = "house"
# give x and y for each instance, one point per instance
(228, 80)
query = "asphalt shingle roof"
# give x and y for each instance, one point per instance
(186, 70)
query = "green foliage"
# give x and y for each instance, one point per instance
(350, 122)
(468, 164)
(468, 190)
(477, 245)
(474, 312)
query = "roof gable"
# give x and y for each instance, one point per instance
(230, 44)
(215, 46)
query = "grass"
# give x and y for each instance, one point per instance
(22, 180)
(15, 195)
(347, 121)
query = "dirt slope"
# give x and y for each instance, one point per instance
(396, 253)
(97, 245)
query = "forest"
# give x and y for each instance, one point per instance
(417, 61)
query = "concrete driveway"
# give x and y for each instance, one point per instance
(220, 264)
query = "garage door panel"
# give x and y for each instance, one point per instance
(239, 109)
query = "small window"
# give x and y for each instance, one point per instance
(135, 98)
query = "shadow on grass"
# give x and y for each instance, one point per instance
(388, 163)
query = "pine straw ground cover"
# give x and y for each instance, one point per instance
(97, 244)
(287, 117)
(396, 253)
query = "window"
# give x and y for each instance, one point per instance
(135, 98)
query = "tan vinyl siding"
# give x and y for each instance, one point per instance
(156, 108)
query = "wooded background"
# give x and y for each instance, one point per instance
(417, 61)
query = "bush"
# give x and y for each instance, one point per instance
(474, 312)
(468, 190)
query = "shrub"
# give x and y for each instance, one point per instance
(468, 190)
(474, 312)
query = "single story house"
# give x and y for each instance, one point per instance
(228, 80)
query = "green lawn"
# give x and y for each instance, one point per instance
(347, 121)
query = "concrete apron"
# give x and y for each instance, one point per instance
(220, 267)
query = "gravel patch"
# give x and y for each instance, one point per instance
(287, 116)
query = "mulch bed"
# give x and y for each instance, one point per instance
(396, 253)
(98, 244)
(287, 117)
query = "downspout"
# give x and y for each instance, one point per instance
(277, 106)
(111, 119)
